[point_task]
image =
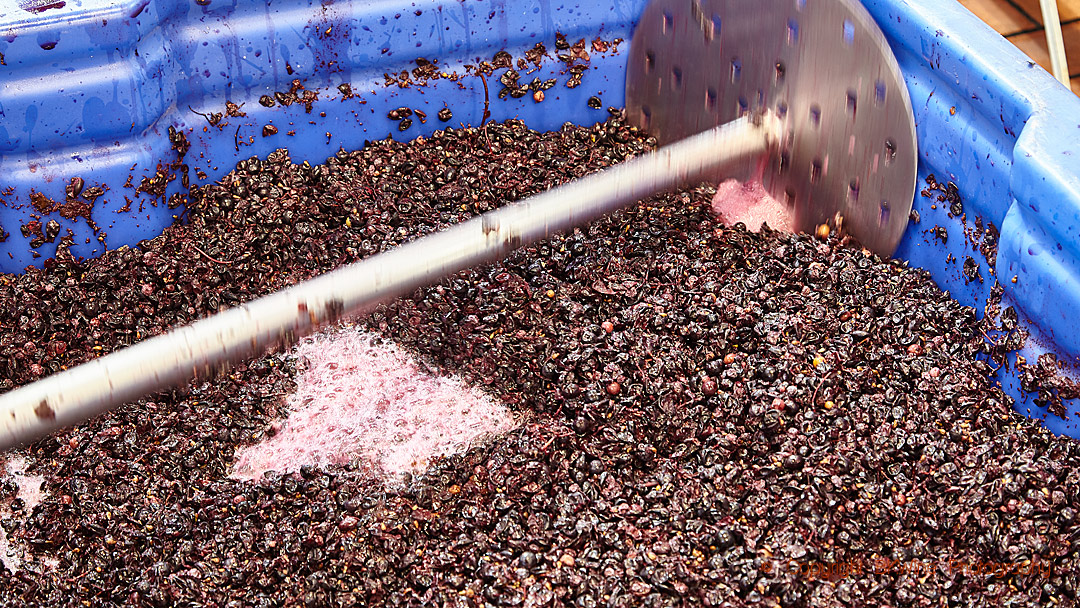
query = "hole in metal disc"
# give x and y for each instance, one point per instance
(815, 115)
(890, 152)
(650, 61)
(779, 72)
(669, 23)
(788, 143)
(852, 101)
(815, 171)
(879, 92)
(790, 195)
(781, 109)
(646, 112)
(853, 190)
(714, 29)
(792, 32)
(676, 77)
(849, 32)
(736, 70)
(710, 98)
(743, 106)
(785, 162)
(760, 100)
(883, 217)
(800, 4)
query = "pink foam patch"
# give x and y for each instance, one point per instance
(750, 204)
(11, 555)
(361, 398)
(29, 485)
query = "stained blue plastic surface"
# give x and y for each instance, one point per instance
(89, 89)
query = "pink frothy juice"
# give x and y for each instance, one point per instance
(361, 398)
(750, 204)
(13, 556)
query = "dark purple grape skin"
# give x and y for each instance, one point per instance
(703, 408)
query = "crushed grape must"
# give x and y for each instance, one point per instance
(701, 407)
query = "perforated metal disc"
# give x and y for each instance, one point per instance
(823, 66)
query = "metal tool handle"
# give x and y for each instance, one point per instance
(33, 411)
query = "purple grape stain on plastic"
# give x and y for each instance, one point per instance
(138, 8)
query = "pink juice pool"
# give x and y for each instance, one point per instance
(750, 204)
(29, 491)
(362, 398)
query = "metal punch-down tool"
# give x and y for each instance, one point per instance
(805, 94)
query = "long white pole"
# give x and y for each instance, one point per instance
(78, 394)
(1055, 42)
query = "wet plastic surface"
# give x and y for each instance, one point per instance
(1008, 135)
(89, 89)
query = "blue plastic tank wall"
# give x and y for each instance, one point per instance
(1008, 135)
(89, 88)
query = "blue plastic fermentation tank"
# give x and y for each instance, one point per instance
(90, 88)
